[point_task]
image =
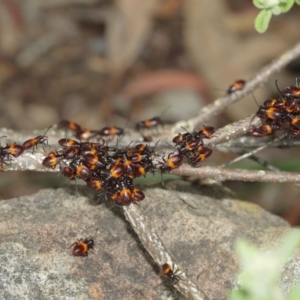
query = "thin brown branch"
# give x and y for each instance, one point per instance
(233, 130)
(223, 174)
(212, 110)
(248, 154)
(251, 143)
(268, 166)
(159, 252)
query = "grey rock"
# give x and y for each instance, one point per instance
(195, 222)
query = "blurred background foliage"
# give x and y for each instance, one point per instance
(259, 277)
(104, 62)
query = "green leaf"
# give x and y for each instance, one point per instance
(295, 293)
(259, 4)
(276, 10)
(290, 243)
(266, 4)
(262, 20)
(286, 6)
(297, 1)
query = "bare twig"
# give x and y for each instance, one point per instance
(258, 159)
(235, 129)
(222, 135)
(222, 174)
(248, 154)
(33, 161)
(268, 166)
(159, 252)
(212, 110)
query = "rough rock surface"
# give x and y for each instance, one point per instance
(198, 223)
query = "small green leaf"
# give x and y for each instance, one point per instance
(262, 20)
(259, 4)
(286, 6)
(297, 1)
(266, 4)
(276, 10)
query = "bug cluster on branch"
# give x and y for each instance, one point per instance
(191, 146)
(110, 171)
(281, 113)
(106, 170)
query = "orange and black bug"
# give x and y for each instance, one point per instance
(69, 172)
(52, 160)
(201, 153)
(291, 92)
(206, 132)
(137, 194)
(138, 157)
(68, 143)
(82, 246)
(14, 150)
(130, 169)
(86, 134)
(111, 131)
(187, 146)
(181, 137)
(238, 85)
(124, 196)
(173, 161)
(141, 148)
(40, 139)
(277, 103)
(142, 157)
(93, 148)
(264, 130)
(149, 123)
(116, 171)
(293, 106)
(93, 160)
(271, 113)
(295, 122)
(94, 184)
(71, 153)
(166, 270)
(69, 125)
(129, 166)
(86, 150)
(83, 172)
(139, 171)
